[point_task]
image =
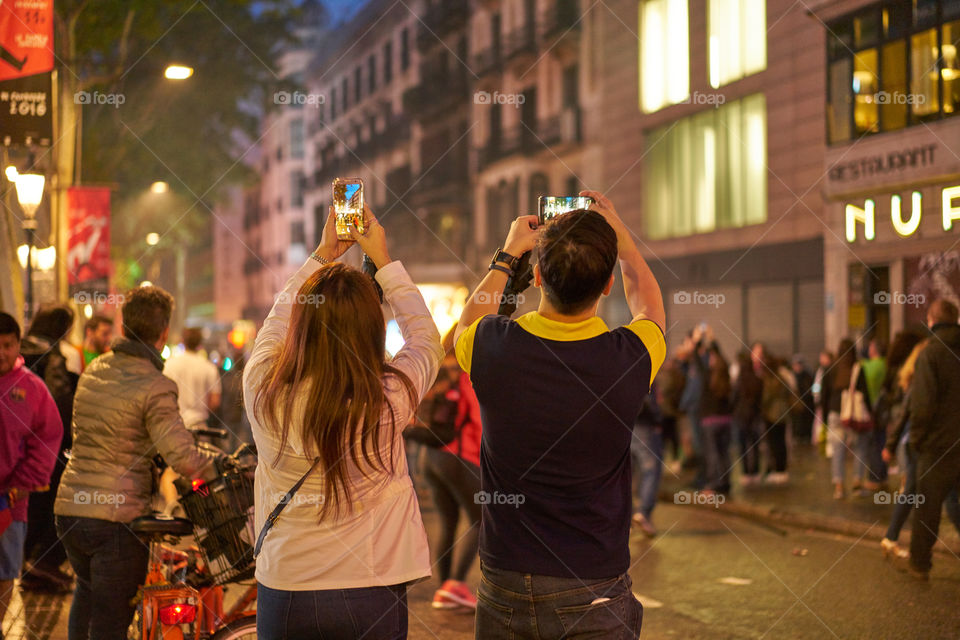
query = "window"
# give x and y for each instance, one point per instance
(891, 66)
(664, 53)
(333, 104)
(357, 84)
(297, 233)
(737, 39)
(296, 138)
(404, 49)
(297, 183)
(344, 95)
(707, 171)
(388, 63)
(372, 73)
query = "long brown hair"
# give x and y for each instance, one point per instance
(843, 365)
(333, 357)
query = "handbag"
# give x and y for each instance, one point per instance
(284, 501)
(854, 411)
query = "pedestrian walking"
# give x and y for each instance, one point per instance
(646, 450)
(875, 368)
(327, 412)
(452, 470)
(746, 418)
(555, 462)
(845, 375)
(819, 435)
(715, 409)
(776, 405)
(43, 352)
(934, 431)
(30, 435)
(125, 412)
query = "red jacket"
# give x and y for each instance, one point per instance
(467, 446)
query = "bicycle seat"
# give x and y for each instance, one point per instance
(160, 525)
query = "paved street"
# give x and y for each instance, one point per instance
(712, 574)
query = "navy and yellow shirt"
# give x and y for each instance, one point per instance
(558, 401)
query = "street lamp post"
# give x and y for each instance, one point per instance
(29, 195)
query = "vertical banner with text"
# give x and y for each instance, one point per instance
(26, 60)
(88, 244)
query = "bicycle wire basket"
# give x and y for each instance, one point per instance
(222, 514)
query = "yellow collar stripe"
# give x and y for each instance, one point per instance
(548, 329)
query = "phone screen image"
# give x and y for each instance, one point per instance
(552, 206)
(348, 205)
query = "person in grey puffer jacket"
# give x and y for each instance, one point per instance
(125, 412)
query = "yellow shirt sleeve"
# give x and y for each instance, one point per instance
(464, 346)
(652, 338)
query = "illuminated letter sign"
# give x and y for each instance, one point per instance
(950, 211)
(864, 215)
(907, 228)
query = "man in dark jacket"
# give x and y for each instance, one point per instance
(125, 412)
(935, 430)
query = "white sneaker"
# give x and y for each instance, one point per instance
(778, 478)
(749, 480)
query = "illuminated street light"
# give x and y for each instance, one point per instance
(146, 283)
(159, 187)
(153, 238)
(178, 72)
(29, 195)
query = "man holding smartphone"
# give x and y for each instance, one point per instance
(558, 395)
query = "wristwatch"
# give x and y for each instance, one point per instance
(506, 258)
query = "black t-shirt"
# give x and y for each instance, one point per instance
(558, 401)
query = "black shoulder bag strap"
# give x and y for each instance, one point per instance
(272, 518)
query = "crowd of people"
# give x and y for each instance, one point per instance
(542, 438)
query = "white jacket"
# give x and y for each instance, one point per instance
(382, 540)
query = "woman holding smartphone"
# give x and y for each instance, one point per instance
(327, 412)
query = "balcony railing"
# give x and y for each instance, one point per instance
(562, 128)
(521, 43)
(518, 140)
(436, 94)
(561, 21)
(488, 61)
(441, 19)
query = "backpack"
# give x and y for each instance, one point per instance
(441, 423)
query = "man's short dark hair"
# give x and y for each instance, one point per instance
(9, 325)
(192, 338)
(95, 321)
(578, 251)
(943, 312)
(52, 323)
(146, 314)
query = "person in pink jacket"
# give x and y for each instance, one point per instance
(30, 433)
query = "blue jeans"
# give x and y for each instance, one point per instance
(716, 446)
(646, 450)
(377, 613)
(902, 509)
(843, 441)
(111, 564)
(522, 606)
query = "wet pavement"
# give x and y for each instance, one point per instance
(711, 573)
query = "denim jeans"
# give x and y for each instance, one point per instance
(716, 446)
(646, 451)
(372, 613)
(902, 508)
(111, 564)
(522, 606)
(843, 441)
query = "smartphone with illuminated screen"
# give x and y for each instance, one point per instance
(348, 206)
(552, 206)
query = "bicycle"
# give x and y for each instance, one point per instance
(182, 597)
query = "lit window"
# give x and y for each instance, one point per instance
(665, 53)
(708, 171)
(737, 39)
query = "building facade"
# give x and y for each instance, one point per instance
(714, 157)
(892, 169)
